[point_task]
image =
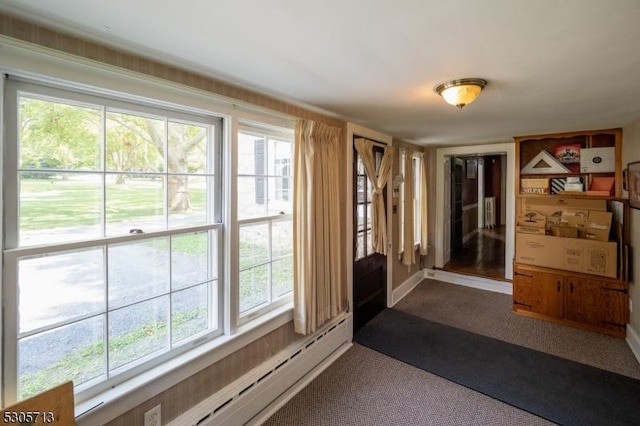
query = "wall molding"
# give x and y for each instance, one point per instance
(481, 283)
(633, 340)
(406, 287)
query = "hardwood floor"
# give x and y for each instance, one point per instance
(482, 255)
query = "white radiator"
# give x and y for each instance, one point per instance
(254, 397)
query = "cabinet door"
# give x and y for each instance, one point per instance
(597, 302)
(538, 292)
(582, 300)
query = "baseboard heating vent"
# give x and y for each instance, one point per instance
(239, 402)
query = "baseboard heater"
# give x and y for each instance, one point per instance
(245, 398)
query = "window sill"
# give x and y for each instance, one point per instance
(116, 401)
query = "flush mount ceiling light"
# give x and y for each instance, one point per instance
(461, 92)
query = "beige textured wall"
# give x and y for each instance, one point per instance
(631, 153)
(188, 393)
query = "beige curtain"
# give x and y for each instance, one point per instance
(408, 253)
(424, 207)
(318, 291)
(364, 147)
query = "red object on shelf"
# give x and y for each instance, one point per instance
(603, 186)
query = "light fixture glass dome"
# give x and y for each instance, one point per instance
(461, 92)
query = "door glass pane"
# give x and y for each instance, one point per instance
(131, 278)
(73, 352)
(360, 245)
(135, 202)
(189, 312)
(137, 331)
(361, 225)
(369, 243)
(135, 143)
(59, 207)
(59, 287)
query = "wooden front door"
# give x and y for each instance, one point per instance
(369, 268)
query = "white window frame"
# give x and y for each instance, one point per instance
(417, 193)
(286, 301)
(13, 252)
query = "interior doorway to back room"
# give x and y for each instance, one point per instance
(476, 196)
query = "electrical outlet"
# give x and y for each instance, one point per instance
(153, 417)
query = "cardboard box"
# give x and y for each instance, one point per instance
(523, 229)
(532, 219)
(598, 226)
(598, 160)
(602, 186)
(569, 211)
(571, 254)
(534, 186)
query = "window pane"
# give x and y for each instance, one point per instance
(279, 200)
(369, 243)
(130, 278)
(190, 259)
(251, 197)
(187, 201)
(60, 287)
(251, 155)
(134, 143)
(254, 287)
(73, 352)
(281, 238)
(254, 244)
(189, 315)
(137, 331)
(187, 148)
(134, 202)
(57, 134)
(279, 161)
(282, 277)
(361, 219)
(59, 207)
(362, 188)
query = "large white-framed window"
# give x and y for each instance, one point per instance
(113, 235)
(264, 183)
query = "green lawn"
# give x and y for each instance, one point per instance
(56, 203)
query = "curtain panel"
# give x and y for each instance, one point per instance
(364, 147)
(318, 292)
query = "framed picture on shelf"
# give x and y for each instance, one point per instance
(633, 183)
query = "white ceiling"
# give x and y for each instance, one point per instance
(552, 65)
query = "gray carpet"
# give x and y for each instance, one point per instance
(365, 387)
(557, 389)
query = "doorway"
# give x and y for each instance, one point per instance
(477, 228)
(369, 268)
(485, 250)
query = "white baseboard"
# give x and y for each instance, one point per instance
(469, 281)
(258, 394)
(633, 340)
(406, 287)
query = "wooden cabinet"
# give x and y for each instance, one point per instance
(578, 299)
(575, 299)
(538, 291)
(528, 148)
